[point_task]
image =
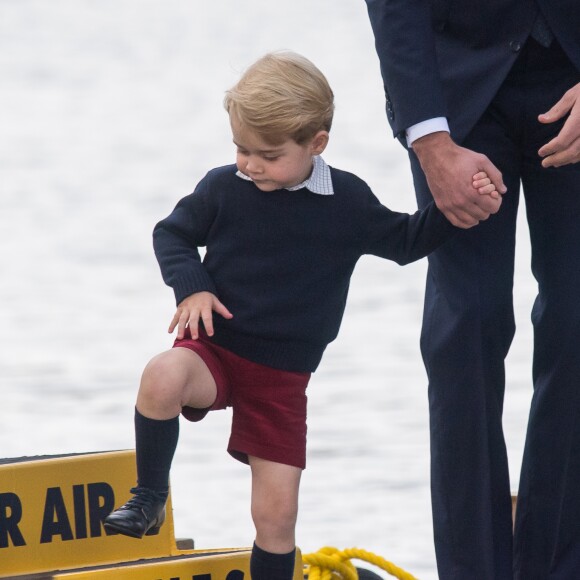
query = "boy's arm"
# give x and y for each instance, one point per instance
(406, 238)
(176, 240)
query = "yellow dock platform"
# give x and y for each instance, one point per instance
(51, 526)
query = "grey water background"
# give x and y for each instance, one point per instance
(110, 111)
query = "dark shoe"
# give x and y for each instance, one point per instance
(142, 515)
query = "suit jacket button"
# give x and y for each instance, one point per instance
(515, 45)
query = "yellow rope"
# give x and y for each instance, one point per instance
(332, 564)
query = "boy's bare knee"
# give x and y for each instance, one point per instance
(275, 526)
(161, 387)
(159, 369)
(174, 379)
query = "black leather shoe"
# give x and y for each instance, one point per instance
(142, 515)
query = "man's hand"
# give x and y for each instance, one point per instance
(191, 309)
(565, 147)
(450, 170)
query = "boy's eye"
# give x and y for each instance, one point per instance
(271, 157)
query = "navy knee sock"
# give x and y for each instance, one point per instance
(267, 566)
(155, 442)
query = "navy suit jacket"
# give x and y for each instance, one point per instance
(448, 58)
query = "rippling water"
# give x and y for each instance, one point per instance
(110, 111)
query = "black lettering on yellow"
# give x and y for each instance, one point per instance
(235, 575)
(101, 504)
(10, 515)
(201, 577)
(80, 511)
(55, 520)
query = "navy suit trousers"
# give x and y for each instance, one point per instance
(468, 327)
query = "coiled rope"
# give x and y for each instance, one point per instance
(333, 564)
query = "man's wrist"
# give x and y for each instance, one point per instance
(433, 142)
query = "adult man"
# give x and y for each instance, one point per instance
(487, 71)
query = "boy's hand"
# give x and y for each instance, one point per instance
(484, 186)
(449, 168)
(191, 309)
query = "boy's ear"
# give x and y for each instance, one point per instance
(319, 142)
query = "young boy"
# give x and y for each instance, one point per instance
(283, 233)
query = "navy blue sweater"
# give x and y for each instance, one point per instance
(281, 261)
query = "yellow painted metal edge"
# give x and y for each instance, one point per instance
(214, 564)
(218, 566)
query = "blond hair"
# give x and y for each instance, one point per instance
(282, 95)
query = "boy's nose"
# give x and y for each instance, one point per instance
(253, 165)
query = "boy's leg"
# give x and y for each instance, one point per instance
(172, 380)
(274, 511)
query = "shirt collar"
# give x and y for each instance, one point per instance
(320, 180)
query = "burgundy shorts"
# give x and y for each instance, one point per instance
(269, 405)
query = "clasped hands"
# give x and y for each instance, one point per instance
(467, 187)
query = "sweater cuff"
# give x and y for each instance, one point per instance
(444, 218)
(191, 283)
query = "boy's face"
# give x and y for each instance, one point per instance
(273, 167)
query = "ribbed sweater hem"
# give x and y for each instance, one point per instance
(300, 357)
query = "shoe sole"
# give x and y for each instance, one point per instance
(130, 533)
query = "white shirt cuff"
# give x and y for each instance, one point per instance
(425, 127)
